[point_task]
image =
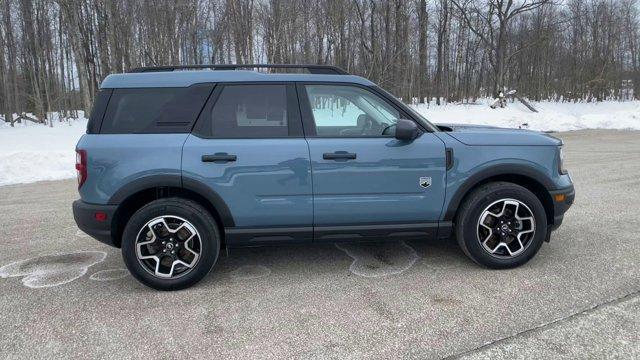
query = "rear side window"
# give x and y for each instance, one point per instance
(154, 110)
(252, 111)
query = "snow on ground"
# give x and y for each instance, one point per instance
(551, 116)
(31, 152)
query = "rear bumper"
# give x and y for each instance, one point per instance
(560, 207)
(84, 215)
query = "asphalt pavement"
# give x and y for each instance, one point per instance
(64, 295)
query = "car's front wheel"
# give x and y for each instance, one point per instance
(170, 244)
(501, 225)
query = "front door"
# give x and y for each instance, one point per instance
(248, 148)
(366, 182)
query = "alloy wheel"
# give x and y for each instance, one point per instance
(506, 228)
(168, 247)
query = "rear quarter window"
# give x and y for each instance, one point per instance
(154, 110)
(97, 112)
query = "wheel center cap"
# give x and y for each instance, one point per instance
(169, 246)
(505, 228)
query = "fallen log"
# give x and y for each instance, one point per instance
(526, 103)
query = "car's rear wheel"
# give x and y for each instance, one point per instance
(501, 225)
(170, 244)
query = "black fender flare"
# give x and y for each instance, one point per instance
(177, 181)
(493, 171)
(144, 183)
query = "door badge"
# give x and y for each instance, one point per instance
(425, 181)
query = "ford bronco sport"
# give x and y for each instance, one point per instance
(177, 164)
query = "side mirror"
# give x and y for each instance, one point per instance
(406, 130)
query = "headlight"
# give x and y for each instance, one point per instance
(561, 168)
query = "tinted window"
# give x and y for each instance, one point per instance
(342, 110)
(243, 111)
(154, 110)
(97, 112)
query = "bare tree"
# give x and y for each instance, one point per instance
(493, 29)
(55, 53)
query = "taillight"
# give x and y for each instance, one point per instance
(81, 166)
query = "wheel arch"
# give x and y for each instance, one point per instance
(531, 179)
(135, 195)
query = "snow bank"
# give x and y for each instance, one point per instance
(33, 152)
(551, 116)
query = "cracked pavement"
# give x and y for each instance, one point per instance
(578, 298)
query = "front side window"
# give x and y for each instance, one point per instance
(250, 111)
(350, 111)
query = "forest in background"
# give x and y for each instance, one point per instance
(55, 53)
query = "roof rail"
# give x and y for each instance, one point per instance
(313, 69)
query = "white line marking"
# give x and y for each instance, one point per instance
(52, 270)
(110, 274)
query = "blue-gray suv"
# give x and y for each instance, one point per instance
(181, 161)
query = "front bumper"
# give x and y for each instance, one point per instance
(562, 201)
(85, 216)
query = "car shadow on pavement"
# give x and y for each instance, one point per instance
(380, 259)
(362, 259)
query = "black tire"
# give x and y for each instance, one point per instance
(188, 210)
(471, 210)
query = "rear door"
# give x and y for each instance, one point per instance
(248, 147)
(366, 182)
